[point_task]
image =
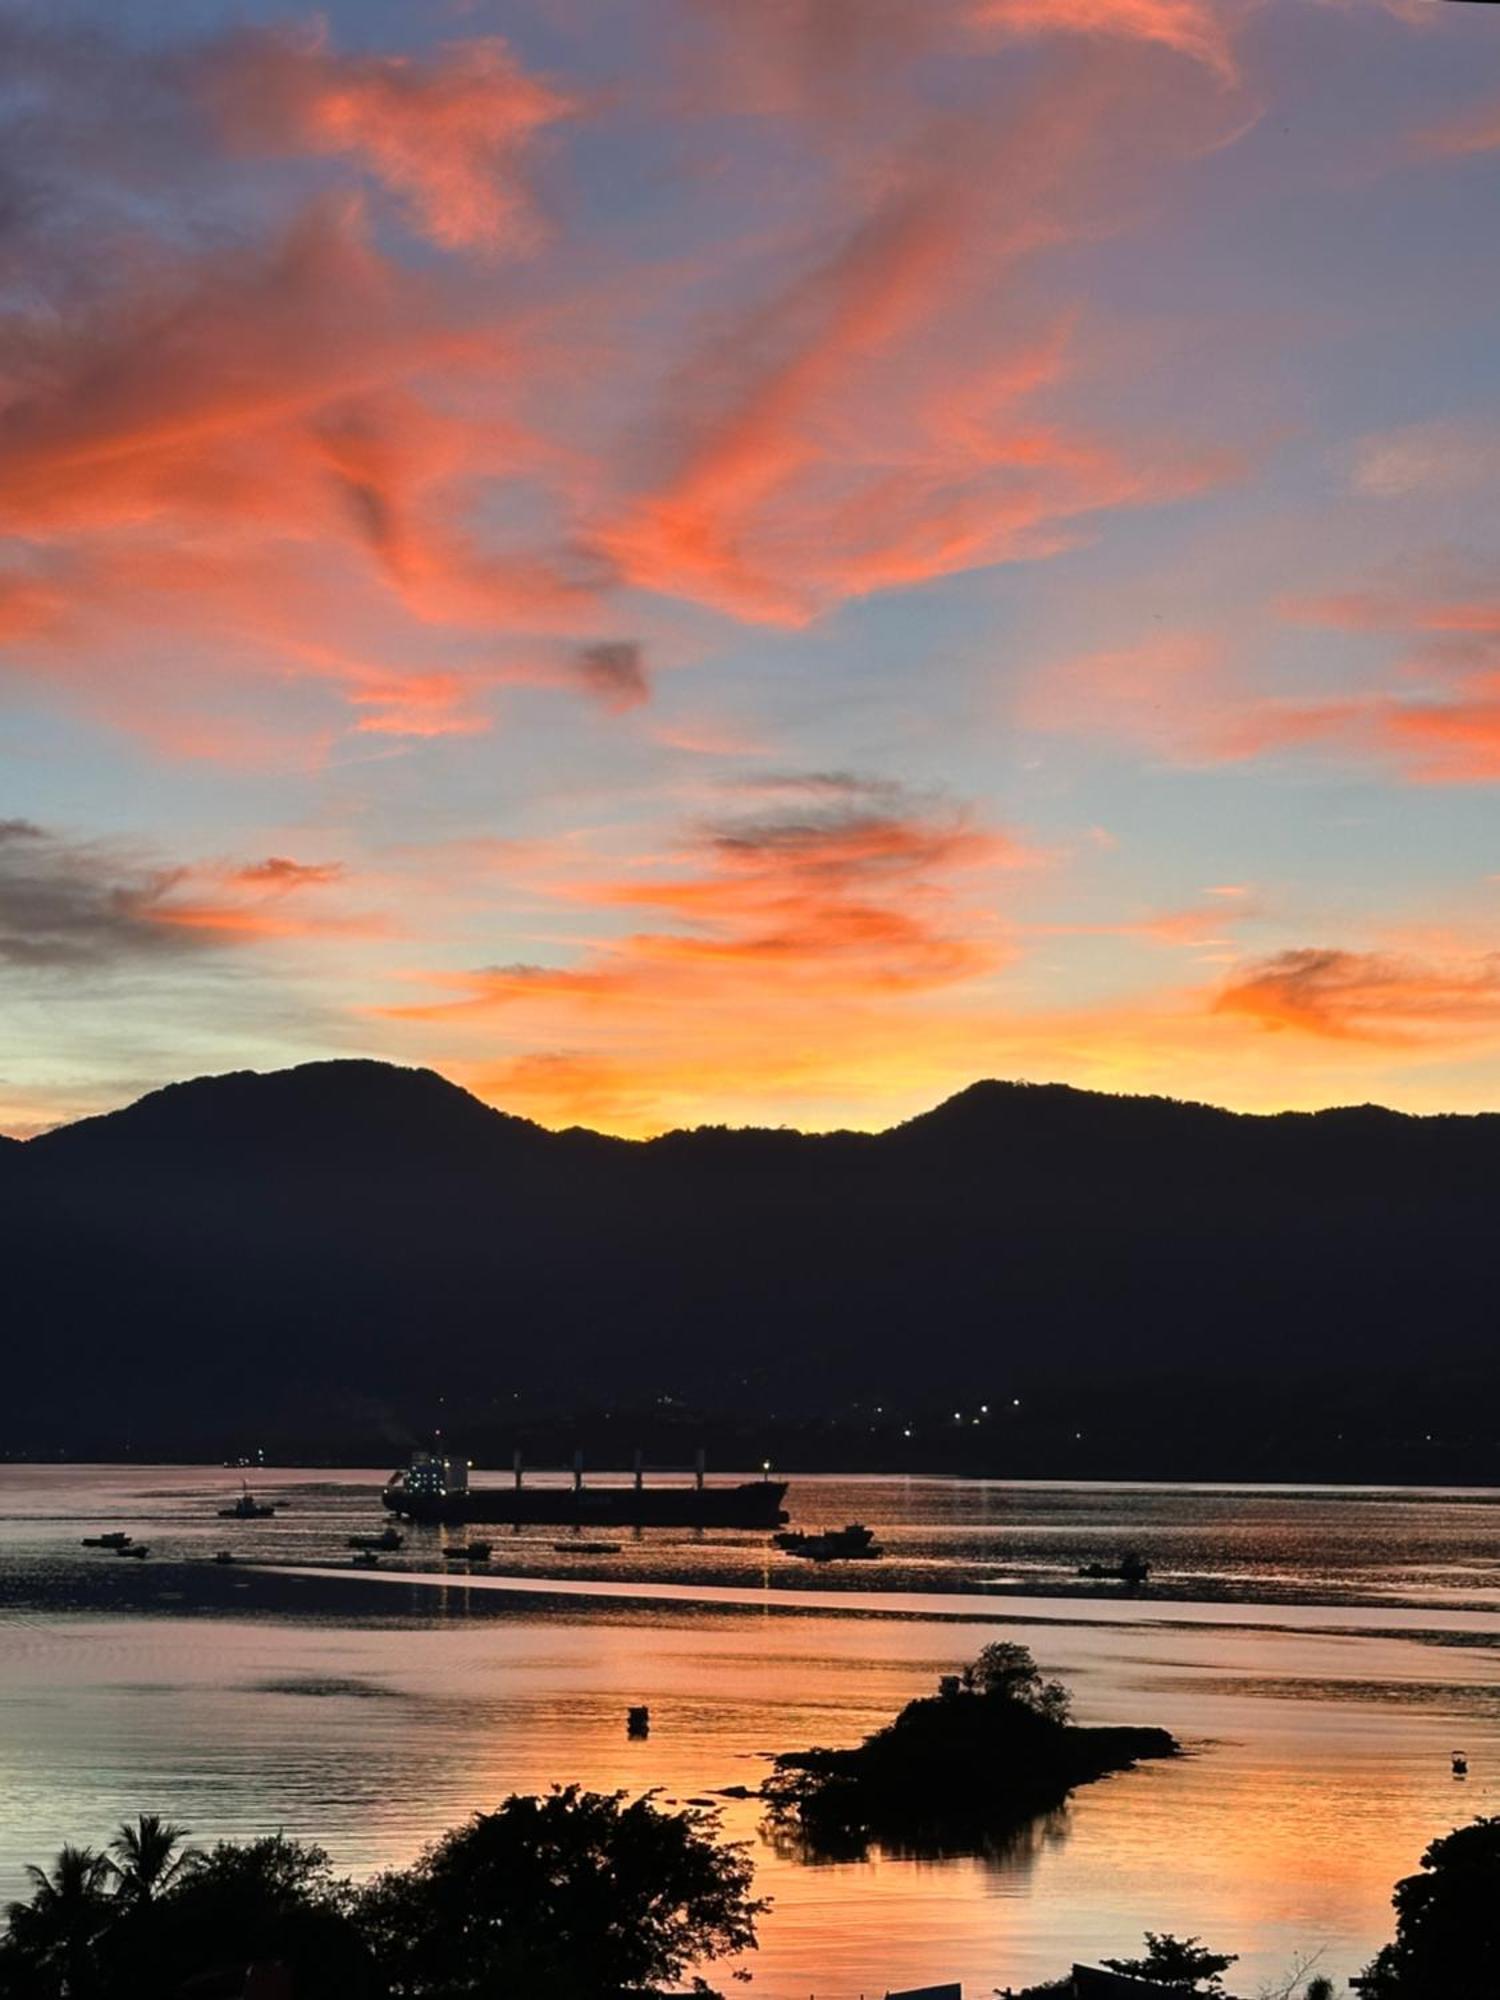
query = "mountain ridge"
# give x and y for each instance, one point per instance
(362, 1250)
(986, 1092)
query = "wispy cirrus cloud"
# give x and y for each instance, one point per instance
(1416, 461)
(1200, 29)
(1427, 715)
(74, 906)
(1370, 996)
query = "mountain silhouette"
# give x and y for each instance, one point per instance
(349, 1251)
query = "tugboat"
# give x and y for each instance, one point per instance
(856, 1543)
(1131, 1568)
(247, 1508)
(388, 1539)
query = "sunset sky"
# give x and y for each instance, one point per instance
(751, 560)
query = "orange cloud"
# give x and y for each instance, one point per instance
(447, 135)
(791, 497)
(393, 704)
(843, 916)
(1366, 996)
(248, 901)
(1452, 734)
(278, 872)
(883, 417)
(1451, 742)
(1180, 697)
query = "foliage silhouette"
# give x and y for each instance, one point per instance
(148, 1856)
(1182, 1965)
(1447, 1942)
(579, 1895)
(576, 1894)
(53, 1938)
(1007, 1672)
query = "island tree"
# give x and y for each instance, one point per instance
(992, 1750)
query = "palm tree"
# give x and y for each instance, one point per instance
(149, 1857)
(69, 1907)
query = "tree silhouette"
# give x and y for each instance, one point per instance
(51, 1941)
(149, 1856)
(1447, 1943)
(574, 1895)
(1182, 1965)
(1007, 1672)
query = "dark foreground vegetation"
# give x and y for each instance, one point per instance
(992, 1749)
(577, 1895)
(1446, 1947)
(580, 1896)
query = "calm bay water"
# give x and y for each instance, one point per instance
(1319, 1652)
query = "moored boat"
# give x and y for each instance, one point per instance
(1131, 1568)
(388, 1539)
(855, 1543)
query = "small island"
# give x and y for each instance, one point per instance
(994, 1748)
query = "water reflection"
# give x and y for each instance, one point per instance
(1011, 1851)
(372, 1714)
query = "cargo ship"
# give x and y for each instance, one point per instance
(435, 1487)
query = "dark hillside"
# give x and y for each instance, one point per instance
(351, 1249)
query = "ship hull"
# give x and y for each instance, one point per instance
(756, 1504)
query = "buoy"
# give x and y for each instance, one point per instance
(1460, 1764)
(638, 1721)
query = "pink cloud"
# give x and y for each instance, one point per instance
(449, 134)
(1195, 28)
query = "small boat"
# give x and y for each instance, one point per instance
(224, 1556)
(137, 1549)
(587, 1548)
(471, 1552)
(247, 1508)
(638, 1720)
(856, 1543)
(367, 1559)
(1460, 1764)
(114, 1540)
(1131, 1568)
(388, 1539)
